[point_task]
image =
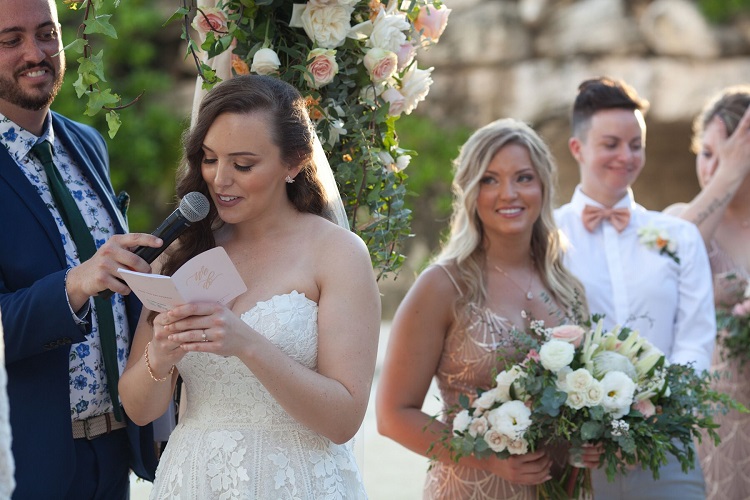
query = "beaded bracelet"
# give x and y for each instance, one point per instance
(148, 367)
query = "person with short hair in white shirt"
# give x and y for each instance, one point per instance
(642, 269)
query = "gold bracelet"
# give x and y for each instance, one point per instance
(148, 367)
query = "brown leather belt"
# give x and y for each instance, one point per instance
(96, 426)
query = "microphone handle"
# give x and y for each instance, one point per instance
(169, 230)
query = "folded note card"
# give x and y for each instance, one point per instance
(207, 277)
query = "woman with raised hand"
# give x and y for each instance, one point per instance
(721, 142)
(500, 267)
(278, 380)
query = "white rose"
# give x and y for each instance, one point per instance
(556, 354)
(478, 427)
(504, 380)
(461, 421)
(326, 25)
(518, 446)
(576, 400)
(594, 394)
(415, 84)
(562, 378)
(486, 400)
(579, 380)
(389, 31)
(265, 62)
(618, 389)
(496, 441)
(511, 418)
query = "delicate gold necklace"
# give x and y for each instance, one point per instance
(529, 295)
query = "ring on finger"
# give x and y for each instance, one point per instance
(204, 337)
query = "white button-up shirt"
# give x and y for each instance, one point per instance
(634, 285)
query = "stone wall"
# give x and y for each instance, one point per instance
(525, 59)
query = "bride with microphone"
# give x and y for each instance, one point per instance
(278, 380)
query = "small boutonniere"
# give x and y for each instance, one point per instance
(658, 239)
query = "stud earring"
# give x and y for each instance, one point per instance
(288, 179)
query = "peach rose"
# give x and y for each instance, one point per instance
(239, 66)
(431, 22)
(569, 333)
(381, 64)
(322, 67)
(646, 407)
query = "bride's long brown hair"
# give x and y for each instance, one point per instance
(290, 129)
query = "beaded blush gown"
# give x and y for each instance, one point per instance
(469, 356)
(234, 441)
(727, 467)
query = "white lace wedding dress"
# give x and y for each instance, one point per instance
(234, 441)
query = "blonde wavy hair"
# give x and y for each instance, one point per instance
(465, 249)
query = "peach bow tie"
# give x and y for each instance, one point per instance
(593, 216)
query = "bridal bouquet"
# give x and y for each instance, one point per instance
(587, 385)
(734, 322)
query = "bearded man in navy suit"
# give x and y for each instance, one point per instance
(67, 441)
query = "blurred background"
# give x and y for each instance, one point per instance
(497, 58)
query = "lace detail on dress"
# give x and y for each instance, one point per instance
(234, 441)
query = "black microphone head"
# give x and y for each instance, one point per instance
(194, 206)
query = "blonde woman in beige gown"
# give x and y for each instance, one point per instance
(502, 259)
(721, 211)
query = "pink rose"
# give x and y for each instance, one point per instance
(405, 54)
(395, 99)
(431, 22)
(646, 407)
(210, 19)
(532, 354)
(322, 67)
(572, 334)
(741, 309)
(381, 64)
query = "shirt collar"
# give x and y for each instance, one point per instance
(19, 141)
(580, 200)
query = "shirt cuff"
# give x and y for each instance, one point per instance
(82, 316)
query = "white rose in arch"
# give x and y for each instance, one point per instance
(265, 62)
(326, 25)
(415, 84)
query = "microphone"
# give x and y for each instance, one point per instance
(193, 208)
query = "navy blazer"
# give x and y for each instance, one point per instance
(38, 325)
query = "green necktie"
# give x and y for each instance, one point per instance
(84, 242)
